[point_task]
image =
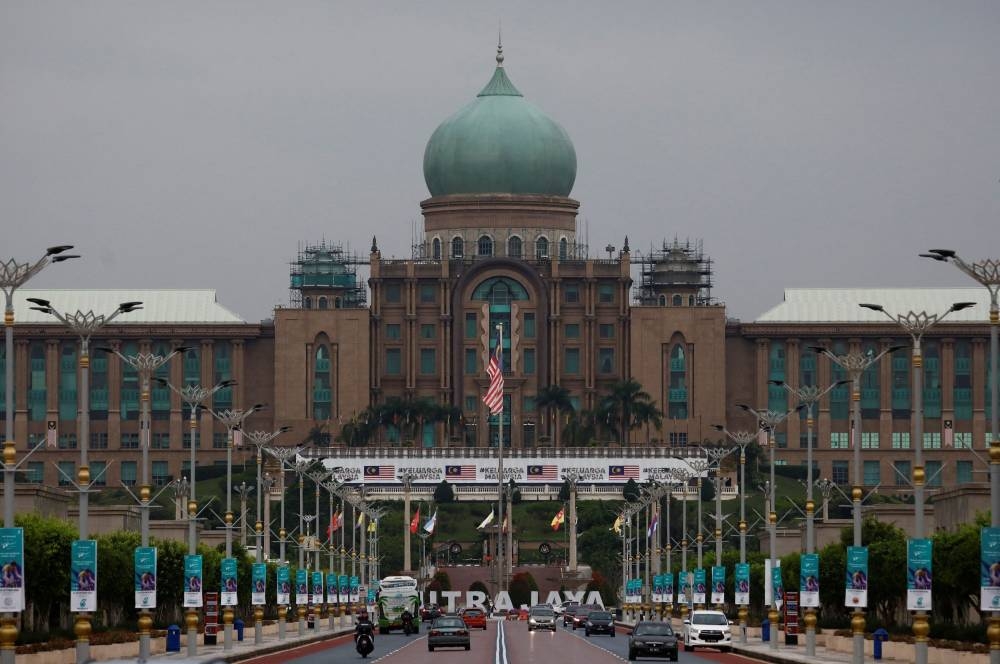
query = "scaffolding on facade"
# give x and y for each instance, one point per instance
(329, 270)
(678, 266)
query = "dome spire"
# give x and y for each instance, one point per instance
(500, 43)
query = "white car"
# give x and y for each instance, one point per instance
(561, 607)
(708, 629)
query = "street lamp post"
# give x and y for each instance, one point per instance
(715, 457)
(284, 455)
(916, 324)
(683, 477)
(407, 480)
(809, 396)
(699, 466)
(84, 324)
(987, 273)
(855, 364)
(233, 420)
(769, 420)
(571, 479)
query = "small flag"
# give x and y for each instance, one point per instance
(361, 520)
(617, 527)
(949, 433)
(466, 472)
(237, 438)
(547, 472)
(762, 433)
(487, 521)
(415, 522)
(380, 472)
(431, 523)
(558, 519)
(340, 521)
(653, 525)
(332, 527)
(506, 522)
(494, 394)
(52, 435)
(627, 472)
(372, 526)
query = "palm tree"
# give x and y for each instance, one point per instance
(555, 400)
(631, 407)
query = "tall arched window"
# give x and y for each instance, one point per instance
(308, 302)
(663, 300)
(130, 385)
(677, 399)
(563, 249)
(322, 302)
(457, 247)
(963, 380)
(514, 247)
(542, 247)
(485, 245)
(67, 381)
(436, 248)
(690, 300)
(322, 397)
(777, 395)
(840, 397)
(870, 397)
(37, 391)
(677, 300)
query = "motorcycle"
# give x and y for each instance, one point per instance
(365, 645)
(408, 626)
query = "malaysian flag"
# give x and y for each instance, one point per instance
(460, 472)
(494, 394)
(627, 472)
(541, 472)
(380, 472)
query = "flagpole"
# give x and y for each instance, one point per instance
(501, 568)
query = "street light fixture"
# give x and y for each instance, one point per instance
(284, 455)
(571, 478)
(855, 364)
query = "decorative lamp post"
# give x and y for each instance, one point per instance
(84, 324)
(407, 480)
(855, 364)
(809, 396)
(571, 479)
(260, 440)
(284, 455)
(683, 477)
(699, 466)
(916, 324)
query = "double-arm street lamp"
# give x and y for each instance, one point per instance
(285, 457)
(987, 273)
(809, 396)
(260, 440)
(84, 324)
(916, 324)
(855, 364)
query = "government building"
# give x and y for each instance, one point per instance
(501, 245)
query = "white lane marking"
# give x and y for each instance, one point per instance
(501, 652)
(393, 652)
(590, 643)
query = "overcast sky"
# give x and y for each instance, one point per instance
(197, 144)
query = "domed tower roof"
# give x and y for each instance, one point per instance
(500, 144)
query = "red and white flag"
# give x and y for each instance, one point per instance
(52, 435)
(494, 394)
(415, 522)
(949, 433)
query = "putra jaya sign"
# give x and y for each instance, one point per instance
(502, 599)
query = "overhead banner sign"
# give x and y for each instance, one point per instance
(476, 470)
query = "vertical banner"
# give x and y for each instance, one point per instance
(228, 569)
(317, 588)
(700, 586)
(657, 588)
(258, 591)
(989, 576)
(284, 579)
(684, 583)
(719, 584)
(12, 566)
(145, 577)
(83, 576)
(331, 588)
(777, 586)
(919, 553)
(857, 577)
(192, 581)
(301, 587)
(741, 581)
(343, 587)
(769, 581)
(52, 435)
(353, 585)
(809, 580)
(668, 588)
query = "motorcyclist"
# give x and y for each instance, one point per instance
(407, 619)
(364, 626)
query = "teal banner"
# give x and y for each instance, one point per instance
(192, 581)
(301, 586)
(345, 586)
(668, 587)
(331, 587)
(317, 588)
(919, 557)
(741, 581)
(856, 583)
(12, 567)
(700, 586)
(145, 577)
(718, 584)
(83, 576)
(809, 580)
(284, 580)
(228, 571)
(989, 581)
(258, 586)
(777, 586)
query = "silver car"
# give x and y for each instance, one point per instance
(541, 617)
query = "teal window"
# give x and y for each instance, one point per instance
(99, 472)
(901, 403)
(322, 388)
(186, 441)
(777, 395)
(490, 289)
(563, 249)
(606, 293)
(870, 391)
(428, 293)
(471, 362)
(606, 331)
(192, 365)
(392, 331)
(428, 361)
(963, 380)
(678, 439)
(963, 440)
(901, 472)
(499, 292)
(160, 473)
(572, 331)
(840, 397)
(393, 364)
(900, 440)
(872, 473)
(529, 405)
(932, 380)
(35, 472)
(129, 384)
(571, 293)
(839, 440)
(839, 472)
(471, 404)
(932, 440)
(677, 394)
(605, 360)
(129, 441)
(220, 440)
(869, 440)
(393, 293)
(98, 440)
(428, 330)
(36, 390)
(496, 427)
(470, 326)
(161, 441)
(67, 381)
(3, 384)
(963, 472)
(457, 247)
(529, 361)
(222, 353)
(67, 472)
(98, 385)
(933, 473)
(67, 441)
(159, 394)
(571, 363)
(807, 372)
(529, 326)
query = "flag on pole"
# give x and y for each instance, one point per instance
(340, 521)
(52, 435)
(949, 434)
(558, 519)
(237, 438)
(506, 522)
(431, 522)
(487, 521)
(415, 522)
(762, 433)
(361, 520)
(617, 527)
(333, 525)
(372, 526)
(653, 525)
(494, 394)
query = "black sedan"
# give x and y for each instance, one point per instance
(448, 632)
(599, 622)
(652, 639)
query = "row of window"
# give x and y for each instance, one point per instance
(965, 472)
(428, 361)
(427, 293)
(128, 441)
(485, 246)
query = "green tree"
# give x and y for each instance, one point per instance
(631, 491)
(521, 586)
(444, 493)
(601, 548)
(554, 400)
(630, 407)
(47, 543)
(564, 492)
(115, 554)
(956, 591)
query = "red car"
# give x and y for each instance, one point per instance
(474, 617)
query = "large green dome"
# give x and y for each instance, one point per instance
(500, 144)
